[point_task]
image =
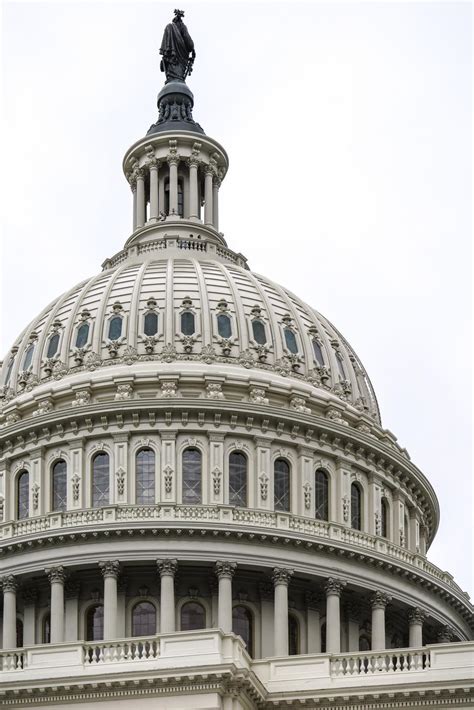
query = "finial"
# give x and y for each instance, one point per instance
(177, 50)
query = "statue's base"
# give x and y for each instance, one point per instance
(175, 109)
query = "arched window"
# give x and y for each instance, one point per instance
(145, 477)
(59, 486)
(193, 616)
(224, 327)
(356, 507)
(19, 633)
(46, 629)
(150, 325)
(100, 480)
(340, 366)
(384, 515)
(82, 335)
(293, 635)
(187, 323)
(238, 479)
(144, 619)
(259, 334)
(28, 357)
(281, 484)
(290, 340)
(321, 495)
(95, 623)
(53, 345)
(318, 353)
(115, 328)
(23, 495)
(192, 476)
(242, 625)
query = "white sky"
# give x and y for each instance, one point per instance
(348, 127)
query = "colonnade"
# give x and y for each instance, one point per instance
(224, 571)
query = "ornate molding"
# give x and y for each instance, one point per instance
(379, 600)
(110, 568)
(225, 569)
(167, 567)
(56, 575)
(282, 575)
(334, 586)
(9, 583)
(416, 615)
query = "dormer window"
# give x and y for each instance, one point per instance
(259, 333)
(82, 335)
(224, 326)
(290, 340)
(53, 346)
(115, 328)
(150, 325)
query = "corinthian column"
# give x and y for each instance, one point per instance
(333, 589)
(193, 188)
(215, 203)
(281, 580)
(416, 618)
(208, 212)
(110, 571)
(379, 601)
(133, 187)
(173, 161)
(167, 570)
(9, 586)
(153, 165)
(225, 571)
(57, 577)
(140, 198)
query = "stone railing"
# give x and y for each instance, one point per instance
(137, 649)
(221, 516)
(12, 660)
(398, 661)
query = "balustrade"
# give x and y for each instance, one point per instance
(137, 649)
(395, 661)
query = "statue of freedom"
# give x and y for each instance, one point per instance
(177, 50)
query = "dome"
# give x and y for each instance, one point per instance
(182, 304)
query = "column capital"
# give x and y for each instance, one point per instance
(266, 592)
(334, 586)
(153, 164)
(72, 589)
(167, 567)
(139, 174)
(110, 568)
(313, 599)
(416, 616)
(29, 596)
(281, 575)
(352, 611)
(446, 634)
(225, 569)
(173, 158)
(9, 583)
(56, 574)
(379, 600)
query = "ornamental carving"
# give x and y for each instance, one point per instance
(124, 392)
(93, 361)
(226, 346)
(113, 347)
(56, 575)
(266, 591)
(378, 523)
(225, 569)
(214, 391)
(169, 390)
(76, 485)
(299, 405)
(307, 495)
(208, 354)
(264, 479)
(364, 428)
(130, 355)
(9, 583)
(282, 575)
(12, 418)
(334, 586)
(167, 567)
(313, 600)
(446, 634)
(246, 359)
(416, 616)
(35, 491)
(120, 474)
(379, 600)
(44, 407)
(82, 398)
(335, 416)
(150, 341)
(216, 481)
(169, 353)
(188, 343)
(110, 568)
(257, 396)
(2, 507)
(29, 596)
(168, 477)
(345, 508)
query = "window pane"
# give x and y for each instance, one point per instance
(356, 513)
(100, 480)
(53, 345)
(259, 334)
(187, 323)
(238, 479)
(223, 326)
(82, 335)
(145, 477)
(115, 328)
(144, 619)
(23, 495)
(28, 357)
(59, 486)
(321, 495)
(293, 636)
(242, 626)
(281, 485)
(290, 339)
(151, 324)
(95, 623)
(341, 367)
(193, 616)
(192, 476)
(318, 353)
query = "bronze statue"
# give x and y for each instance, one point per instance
(177, 50)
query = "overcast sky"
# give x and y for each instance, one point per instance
(348, 127)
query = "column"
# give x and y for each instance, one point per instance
(133, 186)
(153, 165)
(353, 626)
(267, 595)
(167, 569)
(110, 571)
(446, 635)
(215, 203)
(281, 580)
(333, 589)
(313, 622)
(9, 586)
(30, 597)
(71, 611)
(57, 577)
(140, 198)
(208, 196)
(193, 189)
(225, 571)
(173, 185)
(416, 618)
(379, 601)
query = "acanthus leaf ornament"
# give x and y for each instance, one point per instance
(282, 575)
(216, 480)
(110, 568)
(225, 569)
(379, 600)
(168, 477)
(264, 480)
(167, 567)
(334, 586)
(307, 488)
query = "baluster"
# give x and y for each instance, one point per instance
(426, 660)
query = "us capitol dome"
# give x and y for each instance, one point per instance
(200, 506)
